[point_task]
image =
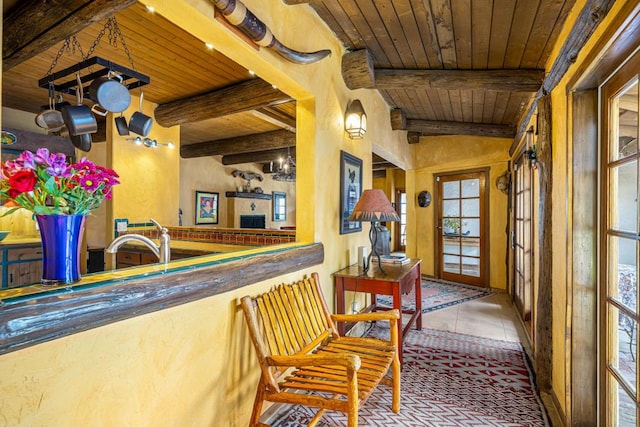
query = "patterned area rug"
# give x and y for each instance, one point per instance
(448, 379)
(437, 295)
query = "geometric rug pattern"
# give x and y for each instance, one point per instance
(451, 380)
(437, 295)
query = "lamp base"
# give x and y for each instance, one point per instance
(373, 239)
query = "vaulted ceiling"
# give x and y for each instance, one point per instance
(469, 67)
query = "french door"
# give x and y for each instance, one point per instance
(620, 248)
(461, 227)
(522, 241)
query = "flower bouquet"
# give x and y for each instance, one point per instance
(60, 195)
(46, 184)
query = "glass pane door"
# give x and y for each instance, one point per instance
(401, 227)
(620, 249)
(522, 239)
(461, 227)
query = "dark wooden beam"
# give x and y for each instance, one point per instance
(413, 137)
(248, 95)
(398, 119)
(380, 174)
(431, 128)
(544, 313)
(258, 156)
(240, 144)
(358, 72)
(383, 166)
(498, 80)
(34, 26)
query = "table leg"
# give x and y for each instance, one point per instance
(340, 303)
(397, 304)
(419, 300)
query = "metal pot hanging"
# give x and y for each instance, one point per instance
(109, 92)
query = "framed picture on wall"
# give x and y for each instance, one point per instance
(350, 191)
(206, 207)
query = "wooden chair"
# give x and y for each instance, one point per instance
(304, 360)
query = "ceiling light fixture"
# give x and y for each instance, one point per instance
(151, 9)
(286, 170)
(150, 143)
(355, 120)
(209, 46)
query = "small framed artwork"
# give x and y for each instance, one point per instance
(350, 191)
(206, 207)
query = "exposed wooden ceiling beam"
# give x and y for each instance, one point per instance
(240, 144)
(258, 156)
(379, 174)
(34, 26)
(383, 166)
(432, 127)
(278, 118)
(245, 96)
(359, 72)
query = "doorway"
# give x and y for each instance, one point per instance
(462, 227)
(522, 241)
(401, 227)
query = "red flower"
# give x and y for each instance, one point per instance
(22, 181)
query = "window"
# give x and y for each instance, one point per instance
(279, 206)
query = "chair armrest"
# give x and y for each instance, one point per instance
(367, 317)
(349, 361)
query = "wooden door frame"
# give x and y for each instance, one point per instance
(485, 240)
(617, 43)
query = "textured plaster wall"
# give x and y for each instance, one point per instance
(149, 177)
(209, 174)
(435, 155)
(193, 364)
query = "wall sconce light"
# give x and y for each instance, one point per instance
(150, 143)
(355, 120)
(532, 153)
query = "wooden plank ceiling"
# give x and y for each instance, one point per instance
(403, 37)
(444, 66)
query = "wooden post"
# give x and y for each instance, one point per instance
(544, 311)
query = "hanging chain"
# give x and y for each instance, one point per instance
(70, 45)
(113, 36)
(118, 33)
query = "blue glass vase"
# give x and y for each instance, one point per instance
(61, 238)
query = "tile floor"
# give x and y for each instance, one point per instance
(492, 316)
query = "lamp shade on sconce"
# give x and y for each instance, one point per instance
(355, 120)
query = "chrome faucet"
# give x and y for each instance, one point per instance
(162, 251)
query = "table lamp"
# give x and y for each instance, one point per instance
(374, 207)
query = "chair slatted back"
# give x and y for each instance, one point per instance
(290, 319)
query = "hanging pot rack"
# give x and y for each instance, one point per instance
(130, 78)
(96, 66)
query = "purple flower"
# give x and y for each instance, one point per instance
(24, 161)
(58, 166)
(56, 163)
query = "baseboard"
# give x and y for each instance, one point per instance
(551, 403)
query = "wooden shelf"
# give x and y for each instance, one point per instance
(245, 195)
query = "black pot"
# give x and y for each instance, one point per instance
(121, 125)
(140, 123)
(82, 141)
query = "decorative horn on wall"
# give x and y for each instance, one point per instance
(238, 15)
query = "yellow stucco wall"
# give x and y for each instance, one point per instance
(193, 364)
(435, 155)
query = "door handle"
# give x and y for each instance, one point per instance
(439, 227)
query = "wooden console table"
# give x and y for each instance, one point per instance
(400, 279)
